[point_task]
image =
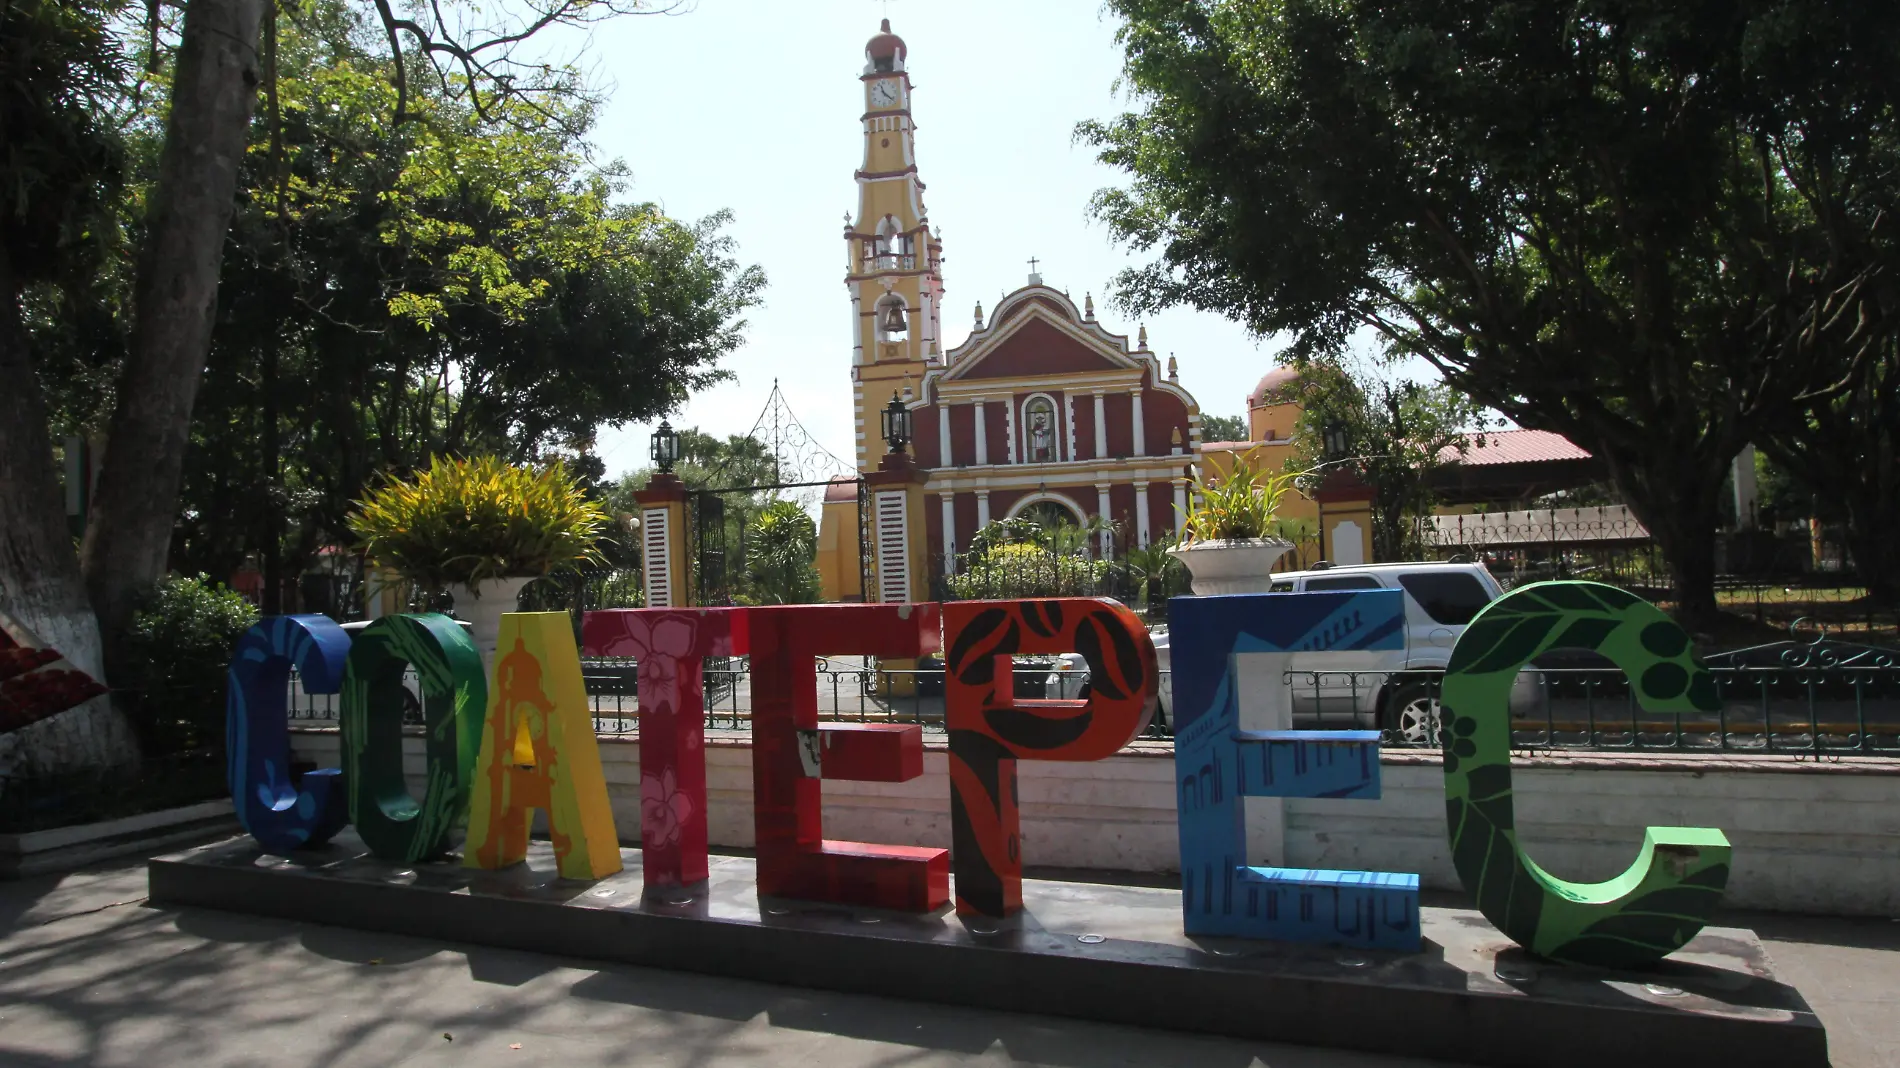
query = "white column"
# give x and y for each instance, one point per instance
(943, 434)
(1068, 420)
(982, 509)
(1101, 509)
(1009, 426)
(1141, 448)
(982, 435)
(949, 533)
(1101, 426)
(1180, 507)
(1141, 514)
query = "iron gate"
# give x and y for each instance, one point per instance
(714, 554)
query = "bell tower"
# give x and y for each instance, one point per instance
(893, 262)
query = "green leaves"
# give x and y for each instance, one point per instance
(1649, 227)
(1239, 503)
(780, 554)
(463, 521)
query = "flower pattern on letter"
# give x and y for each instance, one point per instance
(663, 810)
(657, 647)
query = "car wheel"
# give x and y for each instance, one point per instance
(1412, 715)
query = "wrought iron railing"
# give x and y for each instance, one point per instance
(1799, 698)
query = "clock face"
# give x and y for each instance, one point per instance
(883, 94)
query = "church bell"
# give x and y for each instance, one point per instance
(894, 322)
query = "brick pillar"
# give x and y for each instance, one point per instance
(1345, 518)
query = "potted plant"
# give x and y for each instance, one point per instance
(1233, 533)
(480, 529)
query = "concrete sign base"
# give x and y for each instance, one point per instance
(1110, 953)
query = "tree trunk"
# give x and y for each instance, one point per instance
(1677, 503)
(175, 298)
(1873, 518)
(40, 583)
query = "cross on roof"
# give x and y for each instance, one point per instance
(1032, 264)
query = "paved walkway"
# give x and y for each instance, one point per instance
(90, 975)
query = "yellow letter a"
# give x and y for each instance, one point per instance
(539, 751)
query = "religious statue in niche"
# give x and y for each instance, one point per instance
(1041, 418)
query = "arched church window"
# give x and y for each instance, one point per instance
(893, 324)
(1039, 430)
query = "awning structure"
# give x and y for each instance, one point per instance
(1514, 466)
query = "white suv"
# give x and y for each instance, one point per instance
(1390, 689)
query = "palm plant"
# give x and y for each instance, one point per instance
(470, 521)
(1154, 572)
(1243, 505)
(780, 552)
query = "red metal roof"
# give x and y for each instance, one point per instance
(1517, 447)
(842, 488)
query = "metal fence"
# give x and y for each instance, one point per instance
(1799, 698)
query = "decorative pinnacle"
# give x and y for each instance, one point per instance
(907, 392)
(1177, 436)
(1088, 305)
(1141, 339)
(979, 314)
(1174, 369)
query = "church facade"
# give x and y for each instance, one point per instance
(1041, 407)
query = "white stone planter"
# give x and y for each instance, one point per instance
(482, 607)
(1239, 566)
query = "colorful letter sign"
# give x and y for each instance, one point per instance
(535, 748)
(282, 815)
(670, 646)
(990, 729)
(538, 750)
(391, 822)
(1217, 764)
(1657, 905)
(791, 752)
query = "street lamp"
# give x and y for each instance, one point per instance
(1336, 441)
(665, 449)
(896, 421)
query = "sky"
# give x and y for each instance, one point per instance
(753, 106)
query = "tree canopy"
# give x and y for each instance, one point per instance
(1399, 435)
(1223, 427)
(1657, 228)
(452, 285)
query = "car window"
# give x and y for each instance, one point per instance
(1341, 582)
(1281, 587)
(1449, 597)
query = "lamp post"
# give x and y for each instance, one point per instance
(896, 422)
(665, 448)
(1336, 441)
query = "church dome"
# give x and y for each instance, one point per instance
(1275, 387)
(886, 51)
